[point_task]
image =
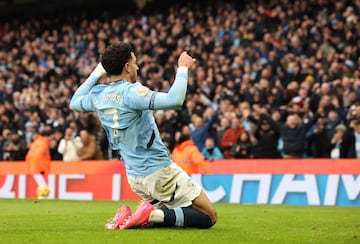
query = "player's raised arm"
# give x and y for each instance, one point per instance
(175, 97)
(80, 100)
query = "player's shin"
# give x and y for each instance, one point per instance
(180, 217)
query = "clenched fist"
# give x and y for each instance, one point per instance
(185, 60)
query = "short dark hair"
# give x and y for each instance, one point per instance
(115, 57)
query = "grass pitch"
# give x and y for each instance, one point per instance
(54, 221)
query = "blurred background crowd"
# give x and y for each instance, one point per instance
(273, 79)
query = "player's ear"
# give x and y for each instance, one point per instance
(127, 67)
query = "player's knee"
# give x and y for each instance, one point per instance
(207, 224)
(213, 217)
(210, 222)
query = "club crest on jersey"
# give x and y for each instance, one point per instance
(141, 91)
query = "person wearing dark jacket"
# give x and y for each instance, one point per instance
(292, 134)
(349, 148)
(318, 138)
(267, 140)
(243, 147)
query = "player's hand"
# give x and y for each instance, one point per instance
(186, 60)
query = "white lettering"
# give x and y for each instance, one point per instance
(22, 186)
(40, 180)
(331, 190)
(6, 191)
(108, 97)
(64, 194)
(52, 186)
(352, 186)
(264, 187)
(116, 187)
(289, 185)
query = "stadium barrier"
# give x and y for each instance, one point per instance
(322, 182)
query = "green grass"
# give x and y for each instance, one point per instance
(54, 221)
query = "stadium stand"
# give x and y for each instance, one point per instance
(275, 58)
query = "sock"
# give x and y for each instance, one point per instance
(183, 217)
(168, 220)
(157, 216)
(196, 218)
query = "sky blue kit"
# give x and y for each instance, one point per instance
(125, 112)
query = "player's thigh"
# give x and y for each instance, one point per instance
(173, 187)
(138, 186)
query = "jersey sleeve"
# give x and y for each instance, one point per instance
(81, 100)
(140, 97)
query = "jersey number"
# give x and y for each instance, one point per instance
(115, 117)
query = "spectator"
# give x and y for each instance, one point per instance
(203, 130)
(29, 131)
(336, 141)
(54, 144)
(167, 124)
(14, 147)
(221, 128)
(266, 140)
(211, 151)
(292, 134)
(243, 147)
(320, 134)
(5, 140)
(353, 112)
(319, 138)
(333, 119)
(3, 137)
(188, 156)
(230, 136)
(349, 147)
(70, 146)
(106, 150)
(90, 149)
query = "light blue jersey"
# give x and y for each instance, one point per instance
(124, 110)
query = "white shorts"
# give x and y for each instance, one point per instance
(170, 187)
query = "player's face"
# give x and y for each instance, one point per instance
(133, 67)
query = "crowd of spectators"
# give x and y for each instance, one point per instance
(283, 76)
